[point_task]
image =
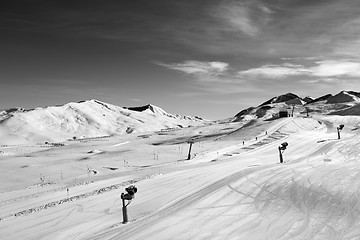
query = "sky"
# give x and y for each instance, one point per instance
(209, 58)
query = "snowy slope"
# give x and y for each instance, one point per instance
(228, 190)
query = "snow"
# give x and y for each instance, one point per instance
(232, 188)
(87, 119)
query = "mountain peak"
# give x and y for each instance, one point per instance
(308, 99)
(149, 108)
(322, 98)
(282, 98)
(344, 96)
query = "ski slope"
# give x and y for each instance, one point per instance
(229, 190)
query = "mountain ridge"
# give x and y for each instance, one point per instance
(326, 104)
(85, 119)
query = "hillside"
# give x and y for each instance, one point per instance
(351, 111)
(86, 119)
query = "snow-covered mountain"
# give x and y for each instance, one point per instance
(283, 98)
(341, 103)
(271, 107)
(344, 96)
(322, 98)
(85, 119)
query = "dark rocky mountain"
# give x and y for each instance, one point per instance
(343, 97)
(322, 98)
(281, 98)
(244, 112)
(308, 99)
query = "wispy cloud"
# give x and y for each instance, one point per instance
(216, 77)
(246, 17)
(237, 17)
(321, 80)
(346, 40)
(198, 67)
(276, 71)
(299, 58)
(323, 69)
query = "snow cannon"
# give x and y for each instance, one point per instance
(281, 149)
(284, 145)
(339, 128)
(131, 190)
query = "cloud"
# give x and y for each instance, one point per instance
(299, 58)
(324, 69)
(238, 18)
(336, 68)
(344, 37)
(198, 68)
(276, 71)
(246, 17)
(348, 48)
(210, 77)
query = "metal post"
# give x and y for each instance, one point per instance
(124, 211)
(280, 155)
(189, 154)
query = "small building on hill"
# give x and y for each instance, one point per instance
(283, 113)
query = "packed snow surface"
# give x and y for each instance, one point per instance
(233, 187)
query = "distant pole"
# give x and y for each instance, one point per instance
(338, 130)
(189, 154)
